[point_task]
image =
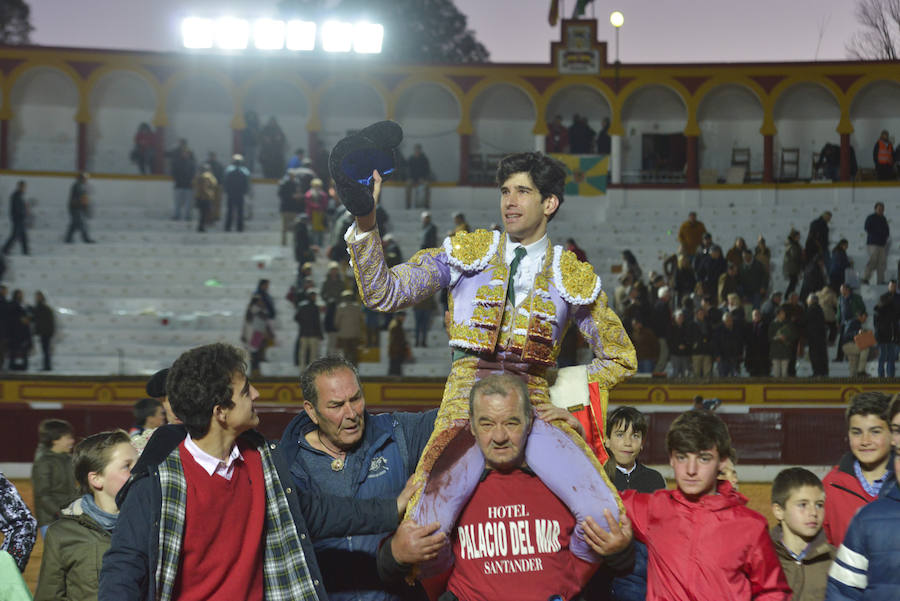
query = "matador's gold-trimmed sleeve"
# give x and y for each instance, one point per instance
(614, 356)
(392, 289)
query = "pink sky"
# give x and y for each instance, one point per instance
(512, 30)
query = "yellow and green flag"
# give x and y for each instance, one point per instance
(588, 174)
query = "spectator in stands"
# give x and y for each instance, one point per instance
(817, 239)
(731, 553)
(763, 254)
(756, 342)
(330, 293)
(571, 246)
(79, 209)
(729, 283)
(706, 244)
(44, 325)
(859, 476)
(850, 305)
(856, 356)
(429, 232)
(183, 170)
(302, 244)
(144, 152)
(148, 415)
(250, 140)
(423, 312)
(18, 323)
(18, 526)
(701, 345)
(830, 161)
(887, 334)
(883, 157)
(621, 292)
(296, 159)
(877, 234)
(290, 202)
(792, 265)
(626, 431)
(814, 277)
(690, 235)
(75, 544)
(795, 313)
(735, 254)
(417, 185)
(866, 566)
(18, 211)
(4, 326)
(398, 347)
(172, 510)
(348, 320)
(557, 136)
(459, 224)
(256, 332)
(206, 188)
(52, 476)
(309, 319)
(798, 503)
(680, 344)
(754, 280)
(816, 336)
(646, 345)
(373, 327)
(829, 303)
(782, 336)
(271, 149)
(840, 263)
(736, 310)
(236, 186)
(337, 446)
(604, 142)
(684, 279)
(710, 269)
(316, 205)
(728, 345)
(630, 265)
(661, 323)
(581, 136)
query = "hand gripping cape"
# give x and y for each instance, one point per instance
(490, 335)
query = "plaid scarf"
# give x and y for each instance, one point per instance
(286, 576)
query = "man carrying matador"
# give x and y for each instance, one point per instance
(511, 297)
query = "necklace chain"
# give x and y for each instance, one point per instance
(327, 448)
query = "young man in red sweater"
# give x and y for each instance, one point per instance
(858, 478)
(703, 542)
(210, 511)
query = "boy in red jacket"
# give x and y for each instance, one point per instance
(704, 543)
(858, 478)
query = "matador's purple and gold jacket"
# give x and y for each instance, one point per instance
(472, 266)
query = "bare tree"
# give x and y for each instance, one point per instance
(879, 38)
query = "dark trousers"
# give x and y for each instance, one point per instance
(791, 285)
(236, 212)
(818, 356)
(885, 171)
(18, 233)
(203, 206)
(395, 366)
(45, 350)
(77, 224)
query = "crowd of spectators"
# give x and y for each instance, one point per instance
(713, 308)
(20, 324)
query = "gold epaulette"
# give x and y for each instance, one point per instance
(471, 251)
(576, 281)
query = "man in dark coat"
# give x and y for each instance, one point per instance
(816, 336)
(817, 239)
(756, 340)
(728, 346)
(877, 234)
(237, 185)
(17, 214)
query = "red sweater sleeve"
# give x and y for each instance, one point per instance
(767, 580)
(637, 509)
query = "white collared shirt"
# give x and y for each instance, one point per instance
(529, 266)
(626, 472)
(213, 465)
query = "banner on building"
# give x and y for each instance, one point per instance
(588, 173)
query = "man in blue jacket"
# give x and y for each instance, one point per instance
(210, 511)
(877, 234)
(338, 448)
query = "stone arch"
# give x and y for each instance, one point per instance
(287, 103)
(346, 106)
(503, 116)
(200, 109)
(43, 131)
(730, 116)
(874, 108)
(654, 117)
(119, 101)
(430, 115)
(581, 99)
(806, 115)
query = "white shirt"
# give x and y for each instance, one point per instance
(213, 465)
(529, 266)
(626, 472)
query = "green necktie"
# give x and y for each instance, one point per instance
(511, 289)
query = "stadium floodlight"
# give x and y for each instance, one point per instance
(232, 33)
(268, 34)
(337, 36)
(301, 35)
(367, 38)
(197, 32)
(616, 19)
